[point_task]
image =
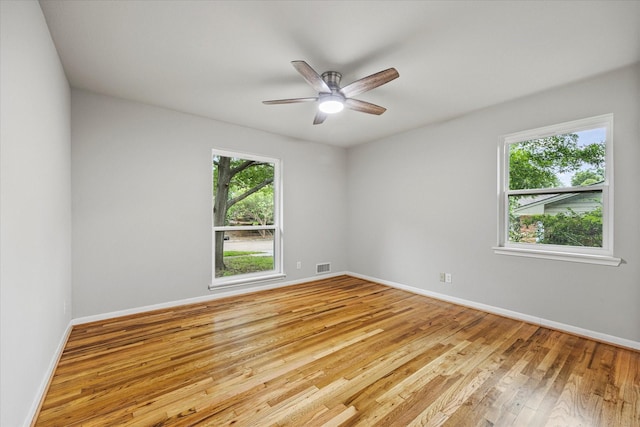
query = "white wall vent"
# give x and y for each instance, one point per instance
(323, 268)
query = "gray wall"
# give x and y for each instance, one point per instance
(35, 208)
(142, 202)
(424, 202)
(401, 209)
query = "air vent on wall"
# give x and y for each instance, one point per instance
(323, 268)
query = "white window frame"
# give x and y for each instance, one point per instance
(278, 261)
(602, 256)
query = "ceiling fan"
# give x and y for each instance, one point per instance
(332, 98)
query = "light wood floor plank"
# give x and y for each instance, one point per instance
(336, 352)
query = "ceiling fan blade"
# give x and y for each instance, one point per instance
(311, 76)
(289, 101)
(363, 106)
(369, 82)
(319, 118)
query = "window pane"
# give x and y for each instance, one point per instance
(242, 192)
(244, 252)
(572, 219)
(566, 160)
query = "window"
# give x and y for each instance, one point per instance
(247, 244)
(556, 192)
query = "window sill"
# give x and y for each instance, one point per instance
(246, 280)
(559, 256)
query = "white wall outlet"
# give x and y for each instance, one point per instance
(447, 278)
(442, 277)
(299, 265)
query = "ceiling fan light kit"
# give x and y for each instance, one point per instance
(331, 104)
(332, 98)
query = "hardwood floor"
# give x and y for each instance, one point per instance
(340, 351)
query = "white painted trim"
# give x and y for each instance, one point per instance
(254, 278)
(622, 342)
(227, 293)
(560, 128)
(598, 336)
(602, 256)
(48, 375)
(558, 256)
(244, 227)
(277, 226)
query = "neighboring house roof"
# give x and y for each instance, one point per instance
(560, 202)
(543, 200)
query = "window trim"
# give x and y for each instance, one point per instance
(278, 259)
(601, 256)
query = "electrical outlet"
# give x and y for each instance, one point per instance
(299, 265)
(442, 277)
(447, 278)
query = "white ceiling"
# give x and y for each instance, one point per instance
(220, 59)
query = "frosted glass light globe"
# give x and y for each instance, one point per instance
(331, 104)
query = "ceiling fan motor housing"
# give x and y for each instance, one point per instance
(332, 78)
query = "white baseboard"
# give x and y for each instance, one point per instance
(48, 375)
(222, 293)
(598, 336)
